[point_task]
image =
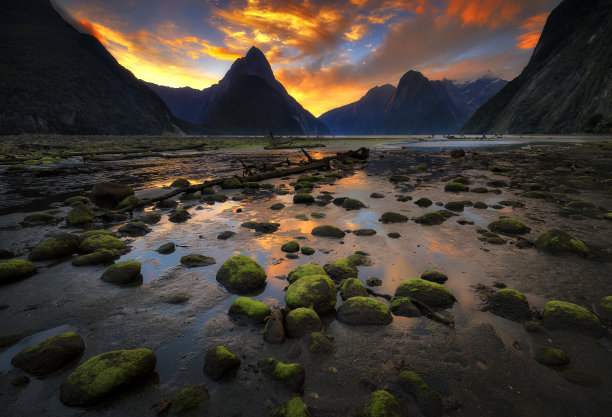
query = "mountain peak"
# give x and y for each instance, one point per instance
(253, 63)
(255, 53)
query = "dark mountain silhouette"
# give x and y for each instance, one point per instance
(566, 86)
(248, 100)
(54, 79)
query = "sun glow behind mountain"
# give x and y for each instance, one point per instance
(325, 53)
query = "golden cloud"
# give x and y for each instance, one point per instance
(534, 27)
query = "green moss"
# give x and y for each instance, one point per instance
(392, 217)
(497, 168)
(15, 270)
(180, 183)
(558, 242)
(364, 311)
(50, 354)
(434, 276)
(242, 275)
(432, 294)
(334, 175)
(604, 307)
(131, 200)
(39, 219)
(78, 198)
(250, 310)
(251, 185)
(328, 231)
(192, 401)
(231, 183)
(305, 270)
(434, 218)
(608, 216)
(99, 257)
(399, 178)
(480, 190)
(313, 291)
(101, 241)
(307, 250)
(428, 400)
(510, 304)
(455, 187)
(54, 247)
(317, 215)
(294, 407)
(303, 185)
(454, 205)
(535, 194)
(564, 315)
(352, 204)
(109, 194)
(101, 376)
(508, 226)
(341, 269)
(90, 233)
(302, 321)
(179, 216)
(382, 404)
(291, 247)
(166, 204)
(79, 216)
(150, 218)
(197, 260)
(551, 356)
(303, 198)
(352, 287)
(403, 306)
(423, 202)
(221, 363)
(122, 273)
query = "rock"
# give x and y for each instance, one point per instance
(220, 363)
(192, 401)
(423, 202)
(328, 231)
(508, 226)
(430, 293)
(179, 216)
(302, 217)
(497, 183)
(341, 269)
(231, 183)
(480, 205)
(403, 306)
(7, 254)
(303, 185)
(313, 291)
(274, 332)
(318, 343)
(454, 205)
(49, 355)
(249, 310)
(196, 260)
(102, 376)
(57, 246)
(303, 198)
(317, 215)
(39, 219)
(558, 242)
(262, 227)
(277, 206)
(15, 270)
(480, 190)
(99, 257)
(123, 273)
(352, 204)
(434, 218)
(175, 298)
(510, 304)
(180, 183)
(373, 282)
(455, 187)
(291, 375)
(568, 316)
(294, 407)
(603, 308)
(399, 178)
(214, 198)
(428, 400)
(241, 275)
(523, 243)
(166, 204)
(364, 232)
(497, 168)
(305, 270)
(302, 321)
(166, 248)
(80, 216)
(79, 198)
(150, 218)
(580, 377)
(364, 311)
(131, 200)
(352, 287)
(109, 194)
(434, 276)
(392, 217)
(457, 153)
(9, 339)
(535, 194)
(134, 229)
(394, 235)
(251, 185)
(101, 241)
(382, 404)
(291, 247)
(226, 234)
(307, 250)
(551, 357)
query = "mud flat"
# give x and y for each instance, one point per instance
(515, 321)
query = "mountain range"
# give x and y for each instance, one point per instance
(567, 85)
(416, 106)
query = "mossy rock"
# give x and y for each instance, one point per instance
(457, 153)
(131, 200)
(166, 248)
(341, 269)
(373, 282)
(134, 229)
(214, 198)
(80, 216)
(99, 257)
(102, 376)
(403, 306)
(303, 198)
(455, 205)
(399, 178)
(510, 304)
(568, 316)
(305, 270)
(247, 309)
(319, 344)
(352, 287)
(313, 291)
(317, 215)
(101, 241)
(352, 204)
(293, 407)
(123, 273)
(39, 219)
(302, 321)
(220, 363)
(55, 247)
(434, 218)
(180, 183)
(421, 167)
(551, 357)
(166, 204)
(79, 198)
(508, 226)
(455, 187)
(9, 339)
(497, 168)
(16, 270)
(434, 276)
(307, 250)
(428, 400)
(197, 260)
(423, 202)
(603, 308)
(432, 294)
(226, 234)
(497, 183)
(274, 332)
(291, 375)
(558, 242)
(291, 247)
(364, 311)
(150, 218)
(95, 232)
(50, 355)
(608, 216)
(382, 404)
(302, 217)
(480, 190)
(231, 183)
(179, 216)
(303, 185)
(192, 401)
(109, 194)
(261, 227)
(364, 232)
(241, 275)
(392, 217)
(277, 206)
(480, 205)
(462, 180)
(7, 253)
(581, 377)
(535, 194)
(328, 231)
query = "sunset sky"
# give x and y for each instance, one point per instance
(326, 53)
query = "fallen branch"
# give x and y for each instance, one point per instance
(427, 311)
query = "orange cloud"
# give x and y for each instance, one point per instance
(91, 29)
(483, 12)
(534, 27)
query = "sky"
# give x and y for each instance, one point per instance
(326, 53)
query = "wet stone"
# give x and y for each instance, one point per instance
(166, 248)
(196, 260)
(221, 363)
(50, 355)
(226, 234)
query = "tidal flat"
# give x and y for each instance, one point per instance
(487, 351)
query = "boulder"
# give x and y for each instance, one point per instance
(352, 204)
(15, 270)
(293, 407)
(220, 363)
(568, 316)
(318, 343)
(134, 229)
(231, 183)
(249, 310)
(241, 275)
(99, 257)
(57, 246)
(303, 198)
(110, 194)
(101, 241)
(428, 400)
(302, 321)
(434, 276)
(430, 293)
(291, 375)
(313, 291)
(192, 401)
(382, 404)
(180, 183)
(558, 242)
(364, 311)
(510, 304)
(352, 287)
(49, 355)
(551, 357)
(39, 219)
(179, 216)
(274, 332)
(392, 217)
(123, 273)
(328, 231)
(196, 260)
(455, 187)
(166, 248)
(150, 217)
(403, 306)
(291, 247)
(305, 270)
(508, 226)
(341, 269)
